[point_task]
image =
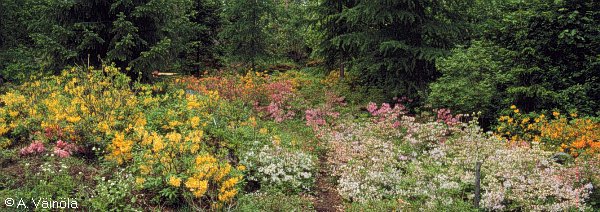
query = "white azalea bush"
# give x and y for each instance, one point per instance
(520, 177)
(431, 165)
(280, 168)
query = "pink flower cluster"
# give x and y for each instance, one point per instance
(387, 113)
(278, 95)
(445, 116)
(275, 111)
(280, 91)
(317, 117)
(64, 149)
(34, 148)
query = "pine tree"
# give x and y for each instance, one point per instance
(393, 44)
(245, 34)
(145, 35)
(333, 25)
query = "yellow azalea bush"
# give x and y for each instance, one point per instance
(558, 132)
(159, 132)
(86, 106)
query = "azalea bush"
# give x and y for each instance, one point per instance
(160, 133)
(74, 107)
(266, 94)
(277, 96)
(555, 132)
(431, 164)
(284, 169)
(521, 177)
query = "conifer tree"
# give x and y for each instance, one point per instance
(145, 35)
(244, 33)
(332, 25)
(203, 49)
(393, 44)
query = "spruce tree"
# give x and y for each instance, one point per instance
(145, 35)
(203, 49)
(333, 25)
(244, 33)
(392, 44)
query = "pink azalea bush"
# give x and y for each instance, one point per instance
(279, 94)
(444, 115)
(317, 117)
(64, 149)
(386, 114)
(35, 147)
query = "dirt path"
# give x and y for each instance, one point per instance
(327, 198)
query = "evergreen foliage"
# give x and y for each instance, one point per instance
(144, 35)
(391, 44)
(245, 31)
(541, 58)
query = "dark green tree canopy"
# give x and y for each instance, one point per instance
(245, 31)
(145, 35)
(390, 44)
(537, 55)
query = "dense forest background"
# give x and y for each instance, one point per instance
(476, 55)
(300, 105)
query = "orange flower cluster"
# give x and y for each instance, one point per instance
(230, 87)
(273, 96)
(564, 133)
(576, 136)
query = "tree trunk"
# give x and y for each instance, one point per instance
(342, 71)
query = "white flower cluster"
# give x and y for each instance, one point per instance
(520, 177)
(434, 164)
(530, 181)
(372, 160)
(281, 168)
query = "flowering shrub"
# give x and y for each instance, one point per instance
(555, 132)
(64, 149)
(279, 97)
(317, 117)
(522, 177)
(34, 148)
(284, 169)
(156, 130)
(172, 154)
(371, 161)
(445, 115)
(421, 163)
(73, 107)
(269, 95)
(386, 115)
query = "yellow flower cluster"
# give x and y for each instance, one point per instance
(208, 169)
(227, 190)
(175, 181)
(332, 79)
(120, 148)
(576, 136)
(82, 104)
(159, 134)
(196, 186)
